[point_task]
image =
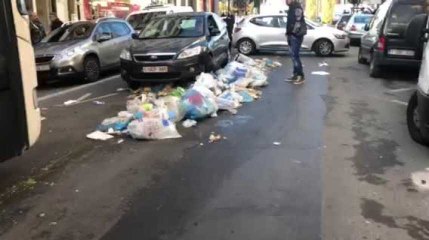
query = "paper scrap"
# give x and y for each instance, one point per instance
(99, 102)
(70, 102)
(321, 73)
(277, 143)
(98, 135)
(323, 64)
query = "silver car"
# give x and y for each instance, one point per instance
(82, 48)
(267, 32)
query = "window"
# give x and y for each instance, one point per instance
(265, 21)
(212, 24)
(362, 19)
(72, 32)
(174, 27)
(103, 28)
(138, 21)
(219, 21)
(400, 16)
(282, 22)
(119, 29)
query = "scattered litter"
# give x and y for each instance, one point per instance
(321, 73)
(421, 179)
(53, 223)
(99, 102)
(201, 144)
(214, 138)
(153, 112)
(77, 190)
(70, 102)
(30, 182)
(42, 118)
(189, 123)
(277, 143)
(41, 215)
(98, 135)
(323, 64)
(121, 89)
(367, 222)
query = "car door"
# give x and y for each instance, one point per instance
(268, 33)
(121, 39)
(225, 41)
(216, 43)
(105, 48)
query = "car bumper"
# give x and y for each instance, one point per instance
(382, 60)
(423, 110)
(60, 68)
(355, 36)
(341, 45)
(177, 69)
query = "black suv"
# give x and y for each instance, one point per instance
(394, 35)
(175, 47)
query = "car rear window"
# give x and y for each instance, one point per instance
(138, 21)
(363, 19)
(400, 16)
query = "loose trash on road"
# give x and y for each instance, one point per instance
(321, 73)
(152, 113)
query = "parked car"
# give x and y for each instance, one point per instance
(418, 106)
(355, 28)
(393, 36)
(342, 22)
(140, 18)
(267, 32)
(82, 48)
(176, 47)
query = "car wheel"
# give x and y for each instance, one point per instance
(91, 68)
(246, 46)
(133, 85)
(228, 58)
(361, 59)
(374, 68)
(324, 48)
(413, 121)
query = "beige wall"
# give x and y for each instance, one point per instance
(63, 10)
(43, 8)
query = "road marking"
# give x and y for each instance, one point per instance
(85, 96)
(49, 96)
(90, 100)
(401, 90)
(399, 102)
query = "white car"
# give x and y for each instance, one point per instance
(267, 32)
(140, 18)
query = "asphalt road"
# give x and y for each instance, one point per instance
(341, 171)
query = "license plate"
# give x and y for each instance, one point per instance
(158, 69)
(40, 68)
(399, 52)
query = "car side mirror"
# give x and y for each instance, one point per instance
(104, 37)
(366, 28)
(22, 7)
(135, 35)
(416, 29)
(214, 32)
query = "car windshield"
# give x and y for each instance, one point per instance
(400, 16)
(70, 33)
(174, 27)
(138, 21)
(363, 19)
(311, 23)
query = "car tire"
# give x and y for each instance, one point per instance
(91, 69)
(246, 46)
(374, 68)
(210, 65)
(413, 121)
(361, 59)
(228, 58)
(323, 48)
(133, 85)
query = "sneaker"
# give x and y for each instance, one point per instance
(299, 80)
(291, 78)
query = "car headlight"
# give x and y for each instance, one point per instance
(190, 52)
(340, 36)
(66, 54)
(125, 55)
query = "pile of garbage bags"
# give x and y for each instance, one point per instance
(153, 115)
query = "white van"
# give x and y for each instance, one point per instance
(140, 18)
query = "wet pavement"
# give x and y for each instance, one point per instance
(341, 170)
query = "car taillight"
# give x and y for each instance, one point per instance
(353, 28)
(381, 45)
(237, 29)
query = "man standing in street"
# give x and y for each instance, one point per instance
(296, 29)
(55, 21)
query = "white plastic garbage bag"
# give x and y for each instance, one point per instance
(245, 60)
(206, 80)
(153, 129)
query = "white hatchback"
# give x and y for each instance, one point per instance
(267, 32)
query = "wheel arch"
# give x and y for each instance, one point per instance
(313, 47)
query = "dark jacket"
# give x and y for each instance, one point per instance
(56, 24)
(37, 31)
(296, 21)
